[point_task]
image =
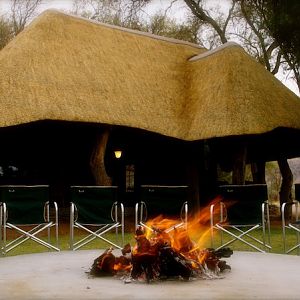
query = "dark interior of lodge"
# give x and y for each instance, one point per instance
(58, 153)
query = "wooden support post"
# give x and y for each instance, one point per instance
(239, 165)
(258, 170)
(285, 194)
(97, 162)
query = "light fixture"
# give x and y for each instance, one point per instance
(118, 153)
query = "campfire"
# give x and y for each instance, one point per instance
(161, 253)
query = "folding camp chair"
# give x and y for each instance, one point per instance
(242, 211)
(25, 210)
(96, 211)
(291, 221)
(168, 201)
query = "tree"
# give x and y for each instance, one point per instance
(260, 26)
(129, 15)
(282, 18)
(246, 22)
(21, 13)
(6, 31)
(272, 25)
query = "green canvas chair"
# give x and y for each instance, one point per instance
(243, 209)
(168, 201)
(290, 221)
(26, 211)
(96, 211)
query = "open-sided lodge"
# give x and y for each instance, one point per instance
(72, 92)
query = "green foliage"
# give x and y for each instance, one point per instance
(21, 13)
(6, 31)
(283, 20)
(164, 26)
(33, 247)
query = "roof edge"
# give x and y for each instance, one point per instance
(143, 33)
(215, 50)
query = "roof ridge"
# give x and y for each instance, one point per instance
(215, 50)
(133, 31)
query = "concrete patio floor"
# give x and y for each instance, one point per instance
(62, 276)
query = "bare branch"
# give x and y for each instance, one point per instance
(271, 48)
(21, 12)
(277, 64)
(229, 16)
(257, 33)
(199, 12)
(169, 7)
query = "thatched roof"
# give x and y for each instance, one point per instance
(63, 67)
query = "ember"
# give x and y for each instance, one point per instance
(162, 254)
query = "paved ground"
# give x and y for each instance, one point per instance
(62, 276)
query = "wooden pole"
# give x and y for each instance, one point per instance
(258, 170)
(239, 165)
(97, 162)
(285, 194)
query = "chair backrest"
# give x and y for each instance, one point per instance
(25, 204)
(244, 202)
(163, 200)
(94, 203)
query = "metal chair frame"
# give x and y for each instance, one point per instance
(292, 226)
(141, 213)
(35, 229)
(100, 229)
(238, 232)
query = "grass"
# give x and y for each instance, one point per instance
(63, 243)
(32, 247)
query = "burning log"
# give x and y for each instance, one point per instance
(104, 264)
(174, 264)
(162, 256)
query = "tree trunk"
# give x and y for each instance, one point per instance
(239, 165)
(285, 194)
(258, 170)
(97, 162)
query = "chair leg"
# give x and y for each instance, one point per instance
(288, 225)
(94, 235)
(239, 237)
(266, 223)
(72, 226)
(1, 230)
(56, 224)
(122, 223)
(4, 229)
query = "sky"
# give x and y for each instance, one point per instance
(177, 12)
(59, 4)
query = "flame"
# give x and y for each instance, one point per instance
(121, 267)
(188, 239)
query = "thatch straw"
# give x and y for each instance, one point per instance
(63, 67)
